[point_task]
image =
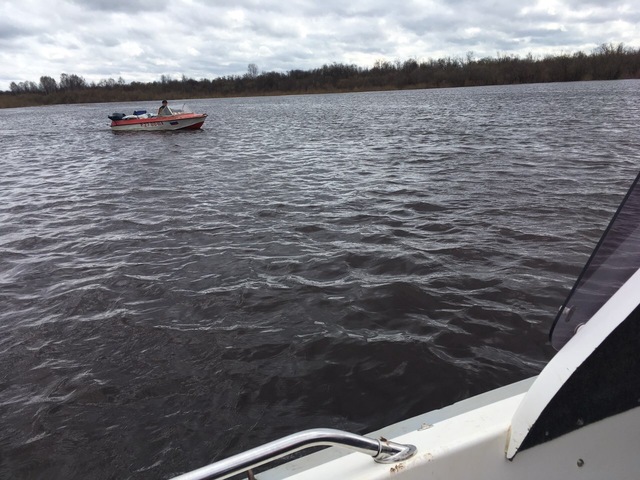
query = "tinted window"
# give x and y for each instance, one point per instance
(614, 260)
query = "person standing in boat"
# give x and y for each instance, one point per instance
(164, 110)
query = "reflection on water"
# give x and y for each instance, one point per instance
(304, 261)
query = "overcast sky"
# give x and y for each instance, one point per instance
(143, 39)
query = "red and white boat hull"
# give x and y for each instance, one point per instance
(182, 121)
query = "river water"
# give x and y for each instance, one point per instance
(343, 261)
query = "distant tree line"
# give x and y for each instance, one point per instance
(607, 62)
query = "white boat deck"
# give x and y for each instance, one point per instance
(499, 406)
(468, 440)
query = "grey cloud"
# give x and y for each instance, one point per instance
(123, 6)
(608, 4)
(10, 31)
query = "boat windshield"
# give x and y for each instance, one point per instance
(182, 109)
(614, 260)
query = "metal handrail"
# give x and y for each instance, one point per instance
(382, 451)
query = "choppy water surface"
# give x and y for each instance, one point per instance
(337, 261)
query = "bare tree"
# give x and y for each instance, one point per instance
(252, 70)
(48, 85)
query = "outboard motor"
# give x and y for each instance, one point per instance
(116, 116)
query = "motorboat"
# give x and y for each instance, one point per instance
(578, 419)
(142, 120)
